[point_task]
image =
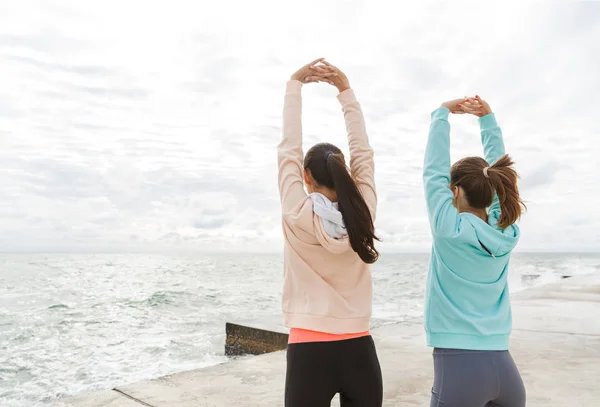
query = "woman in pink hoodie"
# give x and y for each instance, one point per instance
(329, 244)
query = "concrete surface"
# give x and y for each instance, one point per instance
(556, 344)
(105, 398)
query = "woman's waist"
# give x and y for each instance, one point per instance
(299, 335)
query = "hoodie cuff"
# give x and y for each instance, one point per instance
(440, 114)
(346, 97)
(488, 122)
(293, 86)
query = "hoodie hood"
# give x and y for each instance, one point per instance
(333, 221)
(493, 240)
(330, 228)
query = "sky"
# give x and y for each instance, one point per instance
(153, 125)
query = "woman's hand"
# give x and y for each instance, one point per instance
(455, 105)
(338, 79)
(313, 73)
(476, 106)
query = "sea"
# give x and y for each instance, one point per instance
(71, 323)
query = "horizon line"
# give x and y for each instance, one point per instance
(185, 251)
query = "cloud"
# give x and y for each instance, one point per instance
(45, 40)
(110, 92)
(542, 176)
(81, 69)
(117, 137)
(210, 223)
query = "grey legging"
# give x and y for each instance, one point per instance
(468, 378)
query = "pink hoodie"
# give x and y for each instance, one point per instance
(327, 287)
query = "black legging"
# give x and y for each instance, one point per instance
(316, 371)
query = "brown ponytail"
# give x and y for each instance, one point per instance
(328, 168)
(504, 180)
(501, 179)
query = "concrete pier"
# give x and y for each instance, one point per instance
(556, 344)
(254, 338)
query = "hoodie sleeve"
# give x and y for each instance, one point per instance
(493, 147)
(289, 150)
(362, 164)
(443, 217)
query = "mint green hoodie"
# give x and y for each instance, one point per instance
(467, 302)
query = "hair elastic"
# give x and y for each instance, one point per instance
(485, 172)
(327, 154)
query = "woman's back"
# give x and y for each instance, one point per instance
(480, 251)
(468, 301)
(327, 285)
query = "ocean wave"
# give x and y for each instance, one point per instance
(158, 299)
(59, 306)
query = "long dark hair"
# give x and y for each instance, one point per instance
(328, 168)
(468, 173)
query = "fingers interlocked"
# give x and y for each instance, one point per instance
(471, 105)
(320, 73)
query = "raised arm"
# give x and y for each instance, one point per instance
(493, 146)
(491, 136)
(289, 151)
(443, 216)
(362, 163)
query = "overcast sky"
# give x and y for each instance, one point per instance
(152, 125)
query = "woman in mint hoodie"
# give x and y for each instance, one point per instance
(472, 206)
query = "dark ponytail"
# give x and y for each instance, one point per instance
(328, 168)
(480, 184)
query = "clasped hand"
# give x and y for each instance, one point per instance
(320, 70)
(474, 105)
